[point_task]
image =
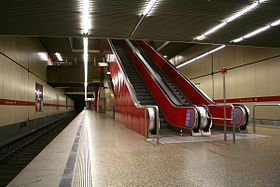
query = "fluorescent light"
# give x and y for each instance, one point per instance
(201, 56)
(58, 56)
(149, 7)
(43, 56)
(257, 31)
(230, 19)
(102, 64)
(110, 57)
(275, 23)
(238, 40)
(85, 41)
(262, 29)
(85, 16)
(215, 28)
(243, 11)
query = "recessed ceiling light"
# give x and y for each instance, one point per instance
(85, 42)
(85, 16)
(58, 56)
(149, 7)
(102, 64)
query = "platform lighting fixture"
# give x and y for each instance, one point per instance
(58, 56)
(85, 20)
(149, 7)
(257, 31)
(201, 56)
(85, 16)
(85, 41)
(102, 64)
(230, 19)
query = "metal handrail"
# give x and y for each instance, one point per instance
(254, 112)
(132, 92)
(226, 119)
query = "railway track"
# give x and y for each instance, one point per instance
(18, 154)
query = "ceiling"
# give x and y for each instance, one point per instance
(175, 20)
(171, 25)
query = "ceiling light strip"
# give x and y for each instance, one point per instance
(230, 19)
(149, 7)
(58, 56)
(201, 56)
(85, 41)
(257, 31)
(85, 20)
(144, 14)
(85, 16)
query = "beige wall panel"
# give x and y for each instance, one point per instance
(235, 84)
(1, 44)
(198, 68)
(6, 79)
(231, 83)
(274, 76)
(17, 49)
(228, 57)
(5, 114)
(1, 76)
(249, 81)
(262, 79)
(21, 78)
(218, 90)
(205, 85)
(256, 54)
(37, 64)
(21, 113)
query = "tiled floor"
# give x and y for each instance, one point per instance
(116, 156)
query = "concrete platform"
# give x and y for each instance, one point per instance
(105, 153)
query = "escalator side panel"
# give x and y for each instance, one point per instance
(182, 117)
(125, 109)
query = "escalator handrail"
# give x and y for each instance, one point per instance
(169, 94)
(184, 77)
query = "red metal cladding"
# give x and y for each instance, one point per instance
(175, 115)
(125, 110)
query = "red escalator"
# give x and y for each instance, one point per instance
(190, 92)
(149, 92)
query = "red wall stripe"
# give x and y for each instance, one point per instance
(250, 99)
(27, 103)
(15, 102)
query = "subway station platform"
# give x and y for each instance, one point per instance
(95, 150)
